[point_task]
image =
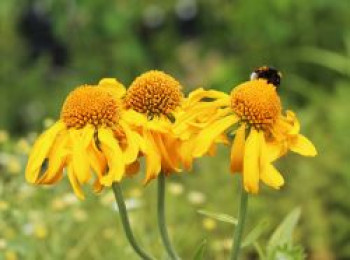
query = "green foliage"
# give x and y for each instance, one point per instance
(219, 216)
(200, 252)
(255, 234)
(308, 40)
(287, 252)
(283, 234)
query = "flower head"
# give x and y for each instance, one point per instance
(262, 133)
(90, 105)
(256, 103)
(154, 93)
(90, 137)
(157, 108)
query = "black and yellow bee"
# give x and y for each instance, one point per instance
(271, 74)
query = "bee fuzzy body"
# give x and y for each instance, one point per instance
(272, 75)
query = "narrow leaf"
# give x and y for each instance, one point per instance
(255, 233)
(219, 216)
(199, 254)
(283, 233)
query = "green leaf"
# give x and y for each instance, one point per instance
(255, 233)
(283, 233)
(199, 255)
(219, 216)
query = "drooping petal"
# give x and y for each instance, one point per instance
(264, 156)
(133, 143)
(153, 157)
(251, 162)
(268, 173)
(57, 160)
(271, 176)
(40, 151)
(132, 169)
(80, 140)
(185, 152)
(237, 150)
(74, 182)
(301, 145)
(97, 160)
(206, 137)
(168, 153)
(111, 149)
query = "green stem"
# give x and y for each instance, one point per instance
(125, 221)
(237, 236)
(161, 219)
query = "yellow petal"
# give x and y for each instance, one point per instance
(268, 174)
(291, 117)
(40, 151)
(275, 150)
(80, 140)
(97, 160)
(251, 162)
(200, 94)
(237, 150)
(303, 146)
(134, 118)
(159, 124)
(209, 134)
(153, 158)
(271, 176)
(74, 182)
(57, 160)
(185, 151)
(111, 149)
(132, 139)
(132, 169)
(113, 85)
(168, 153)
(97, 186)
(212, 150)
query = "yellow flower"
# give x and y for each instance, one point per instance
(263, 135)
(91, 134)
(154, 103)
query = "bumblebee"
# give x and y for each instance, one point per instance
(272, 75)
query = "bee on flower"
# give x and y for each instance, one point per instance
(91, 140)
(263, 133)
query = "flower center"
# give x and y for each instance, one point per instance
(257, 103)
(154, 93)
(90, 105)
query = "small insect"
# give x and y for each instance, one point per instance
(271, 74)
(171, 117)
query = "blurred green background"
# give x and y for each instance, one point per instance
(49, 47)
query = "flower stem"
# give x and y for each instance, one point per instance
(125, 221)
(161, 219)
(237, 236)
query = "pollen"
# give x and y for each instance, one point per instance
(257, 103)
(90, 105)
(154, 93)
